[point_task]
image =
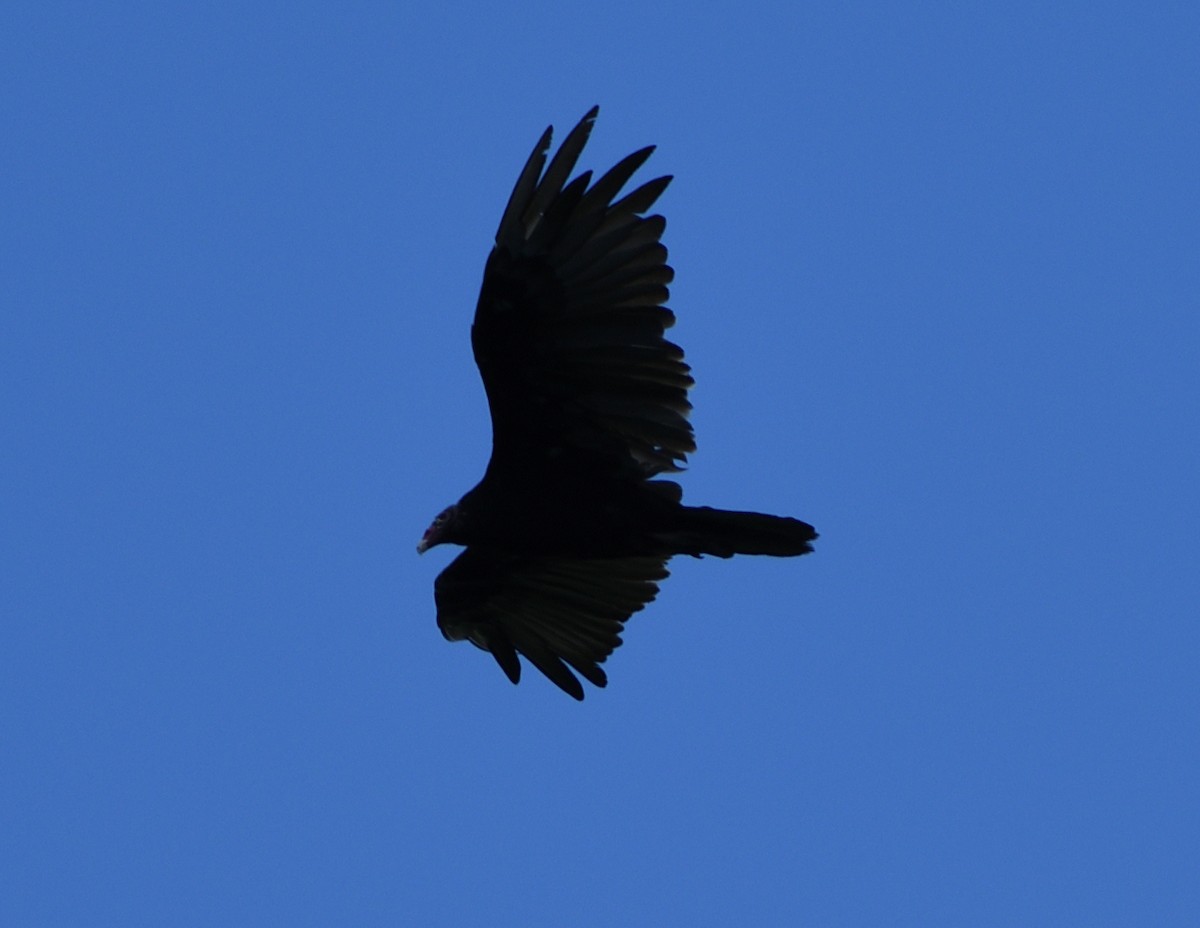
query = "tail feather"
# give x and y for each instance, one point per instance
(724, 533)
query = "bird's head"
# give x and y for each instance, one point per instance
(441, 529)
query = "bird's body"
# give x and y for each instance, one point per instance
(570, 529)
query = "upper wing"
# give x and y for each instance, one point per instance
(568, 332)
(552, 610)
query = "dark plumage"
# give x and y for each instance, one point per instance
(570, 529)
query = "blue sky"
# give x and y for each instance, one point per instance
(938, 280)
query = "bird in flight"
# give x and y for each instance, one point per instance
(570, 530)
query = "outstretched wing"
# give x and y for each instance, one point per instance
(568, 331)
(560, 613)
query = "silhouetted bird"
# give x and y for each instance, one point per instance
(570, 529)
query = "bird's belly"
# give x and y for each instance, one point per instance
(565, 520)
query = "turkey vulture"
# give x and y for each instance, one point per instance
(570, 529)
